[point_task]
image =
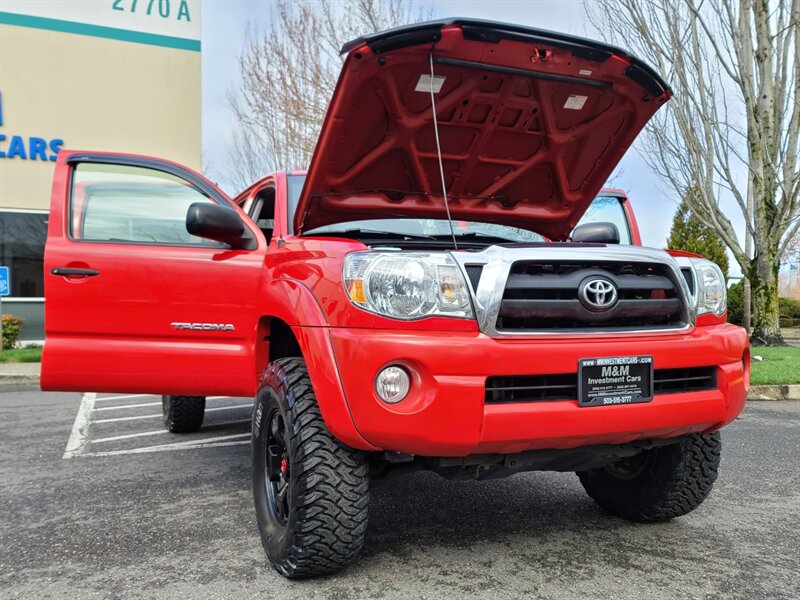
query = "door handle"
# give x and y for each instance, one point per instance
(73, 272)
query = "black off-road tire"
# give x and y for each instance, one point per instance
(311, 492)
(661, 483)
(183, 414)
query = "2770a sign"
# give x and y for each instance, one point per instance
(179, 9)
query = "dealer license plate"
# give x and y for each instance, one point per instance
(616, 380)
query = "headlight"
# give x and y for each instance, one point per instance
(407, 285)
(711, 291)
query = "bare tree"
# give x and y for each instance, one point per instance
(289, 74)
(791, 251)
(733, 128)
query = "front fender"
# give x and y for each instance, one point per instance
(315, 343)
(296, 305)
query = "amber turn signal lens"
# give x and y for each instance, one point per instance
(355, 289)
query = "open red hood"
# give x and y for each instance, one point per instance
(531, 125)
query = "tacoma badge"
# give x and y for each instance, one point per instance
(204, 326)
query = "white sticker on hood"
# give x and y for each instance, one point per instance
(426, 82)
(575, 102)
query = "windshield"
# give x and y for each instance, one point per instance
(603, 208)
(608, 209)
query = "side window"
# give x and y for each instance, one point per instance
(263, 211)
(119, 203)
(608, 209)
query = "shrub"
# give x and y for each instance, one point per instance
(736, 303)
(789, 307)
(12, 327)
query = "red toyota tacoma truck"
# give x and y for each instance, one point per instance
(424, 297)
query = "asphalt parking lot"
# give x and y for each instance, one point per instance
(98, 502)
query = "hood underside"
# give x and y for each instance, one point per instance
(531, 124)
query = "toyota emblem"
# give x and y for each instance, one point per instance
(598, 294)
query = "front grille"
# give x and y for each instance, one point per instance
(692, 379)
(543, 296)
(564, 386)
(532, 388)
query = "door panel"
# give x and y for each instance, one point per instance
(134, 303)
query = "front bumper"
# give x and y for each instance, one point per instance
(445, 414)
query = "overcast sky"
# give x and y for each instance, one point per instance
(225, 23)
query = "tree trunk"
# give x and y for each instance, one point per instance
(747, 310)
(764, 286)
(747, 292)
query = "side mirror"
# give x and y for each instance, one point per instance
(215, 222)
(598, 233)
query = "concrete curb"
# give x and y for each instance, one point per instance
(18, 380)
(19, 373)
(774, 392)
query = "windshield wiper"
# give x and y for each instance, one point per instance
(372, 234)
(475, 235)
(390, 235)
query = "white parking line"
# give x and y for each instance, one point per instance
(128, 397)
(136, 418)
(229, 407)
(159, 415)
(124, 397)
(126, 406)
(127, 436)
(80, 428)
(166, 448)
(149, 433)
(225, 440)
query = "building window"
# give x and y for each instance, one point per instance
(22, 237)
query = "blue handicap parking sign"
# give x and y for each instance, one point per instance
(5, 282)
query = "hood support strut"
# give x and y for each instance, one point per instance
(439, 155)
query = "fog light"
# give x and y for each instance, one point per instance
(392, 384)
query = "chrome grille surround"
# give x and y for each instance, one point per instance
(497, 261)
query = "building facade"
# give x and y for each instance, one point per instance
(104, 75)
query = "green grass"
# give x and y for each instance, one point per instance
(780, 366)
(21, 355)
